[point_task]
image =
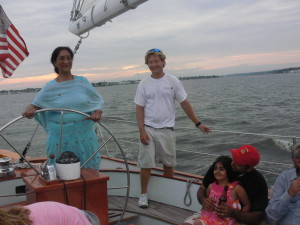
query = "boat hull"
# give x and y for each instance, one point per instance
(176, 191)
(162, 189)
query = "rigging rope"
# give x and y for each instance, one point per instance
(75, 13)
(79, 42)
(187, 197)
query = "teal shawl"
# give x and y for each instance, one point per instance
(77, 94)
(79, 134)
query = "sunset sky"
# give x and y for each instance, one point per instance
(199, 37)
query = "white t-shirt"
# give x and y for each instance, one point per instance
(158, 97)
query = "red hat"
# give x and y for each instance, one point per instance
(245, 155)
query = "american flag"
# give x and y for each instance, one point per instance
(13, 49)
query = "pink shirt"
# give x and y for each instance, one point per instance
(49, 213)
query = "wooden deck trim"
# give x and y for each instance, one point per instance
(167, 213)
(14, 156)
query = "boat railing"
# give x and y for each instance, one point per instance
(293, 138)
(113, 122)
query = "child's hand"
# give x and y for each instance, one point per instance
(209, 204)
(224, 210)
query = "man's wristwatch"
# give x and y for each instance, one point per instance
(198, 124)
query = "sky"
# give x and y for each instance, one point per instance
(199, 37)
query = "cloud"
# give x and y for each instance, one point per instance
(93, 69)
(26, 82)
(130, 67)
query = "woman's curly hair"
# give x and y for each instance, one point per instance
(15, 216)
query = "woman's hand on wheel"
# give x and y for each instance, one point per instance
(30, 110)
(96, 116)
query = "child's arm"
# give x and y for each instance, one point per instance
(207, 203)
(208, 190)
(243, 197)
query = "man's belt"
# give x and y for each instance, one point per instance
(169, 128)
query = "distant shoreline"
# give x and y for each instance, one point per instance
(279, 71)
(103, 84)
(126, 82)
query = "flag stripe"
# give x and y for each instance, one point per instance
(9, 67)
(6, 73)
(14, 46)
(14, 31)
(18, 42)
(4, 53)
(15, 54)
(12, 63)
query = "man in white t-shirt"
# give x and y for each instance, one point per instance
(155, 113)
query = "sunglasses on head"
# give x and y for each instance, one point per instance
(154, 50)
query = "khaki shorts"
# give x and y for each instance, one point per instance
(161, 148)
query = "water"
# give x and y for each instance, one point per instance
(268, 104)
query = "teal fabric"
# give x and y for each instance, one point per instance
(79, 135)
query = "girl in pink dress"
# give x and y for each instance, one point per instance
(236, 196)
